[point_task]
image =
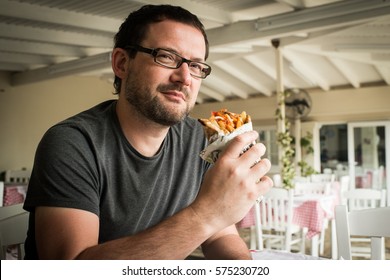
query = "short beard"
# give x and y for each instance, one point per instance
(141, 98)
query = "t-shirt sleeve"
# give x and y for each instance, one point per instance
(65, 172)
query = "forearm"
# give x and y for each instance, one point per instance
(174, 238)
(227, 247)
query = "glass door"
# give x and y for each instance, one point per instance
(369, 155)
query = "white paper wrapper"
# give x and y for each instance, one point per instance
(212, 151)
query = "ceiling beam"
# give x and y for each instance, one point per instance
(305, 70)
(57, 16)
(212, 93)
(268, 68)
(238, 70)
(86, 64)
(21, 58)
(199, 9)
(19, 46)
(54, 36)
(385, 73)
(222, 83)
(264, 10)
(346, 70)
(333, 15)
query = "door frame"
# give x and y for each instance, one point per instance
(351, 150)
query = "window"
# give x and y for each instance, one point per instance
(267, 136)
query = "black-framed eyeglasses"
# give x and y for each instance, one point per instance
(172, 60)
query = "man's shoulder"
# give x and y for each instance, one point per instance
(95, 114)
(92, 122)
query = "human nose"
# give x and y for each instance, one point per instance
(182, 74)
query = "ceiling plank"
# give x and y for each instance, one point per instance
(346, 70)
(57, 16)
(265, 10)
(385, 73)
(239, 71)
(212, 93)
(303, 68)
(26, 58)
(338, 14)
(201, 10)
(52, 36)
(268, 68)
(20, 46)
(225, 86)
(4, 66)
(91, 63)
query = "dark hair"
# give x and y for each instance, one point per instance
(132, 31)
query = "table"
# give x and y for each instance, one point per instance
(14, 193)
(311, 211)
(280, 255)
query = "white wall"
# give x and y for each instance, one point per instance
(26, 112)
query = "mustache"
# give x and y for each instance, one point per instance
(175, 87)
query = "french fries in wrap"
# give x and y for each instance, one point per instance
(220, 128)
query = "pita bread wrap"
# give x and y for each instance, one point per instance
(220, 128)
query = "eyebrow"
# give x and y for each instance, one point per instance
(195, 59)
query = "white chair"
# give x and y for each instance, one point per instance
(276, 230)
(367, 222)
(327, 171)
(315, 188)
(277, 178)
(17, 176)
(301, 179)
(344, 184)
(316, 178)
(13, 229)
(358, 199)
(311, 188)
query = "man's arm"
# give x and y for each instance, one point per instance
(226, 245)
(76, 237)
(65, 233)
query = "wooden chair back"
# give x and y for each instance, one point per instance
(372, 222)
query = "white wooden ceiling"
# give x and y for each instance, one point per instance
(326, 44)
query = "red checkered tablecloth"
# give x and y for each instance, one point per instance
(310, 215)
(309, 212)
(14, 194)
(248, 220)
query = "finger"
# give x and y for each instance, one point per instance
(253, 155)
(264, 185)
(238, 144)
(260, 170)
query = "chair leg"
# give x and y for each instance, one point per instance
(252, 238)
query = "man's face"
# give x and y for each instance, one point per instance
(164, 95)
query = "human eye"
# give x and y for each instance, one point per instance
(197, 67)
(166, 57)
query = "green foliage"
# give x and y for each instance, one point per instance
(285, 140)
(287, 143)
(307, 149)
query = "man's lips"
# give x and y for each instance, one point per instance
(174, 92)
(175, 95)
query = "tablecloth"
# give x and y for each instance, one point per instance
(14, 194)
(309, 211)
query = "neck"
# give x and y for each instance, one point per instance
(143, 134)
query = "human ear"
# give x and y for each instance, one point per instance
(119, 62)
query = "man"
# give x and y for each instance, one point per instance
(124, 179)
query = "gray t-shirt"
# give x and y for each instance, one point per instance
(85, 162)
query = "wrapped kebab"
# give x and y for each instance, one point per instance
(221, 127)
